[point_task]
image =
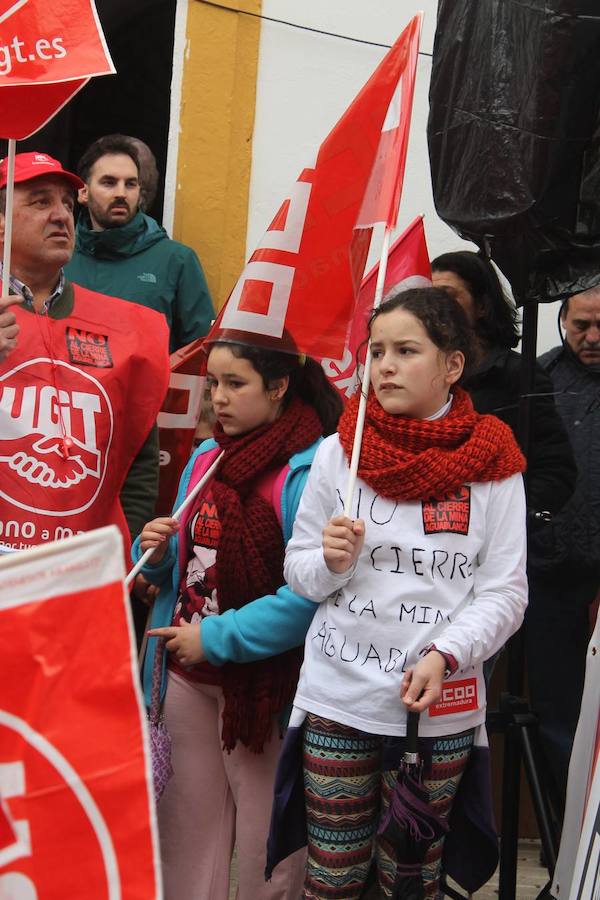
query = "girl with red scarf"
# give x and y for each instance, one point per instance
(271, 409)
(415, 590)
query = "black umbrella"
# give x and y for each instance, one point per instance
(410, 824)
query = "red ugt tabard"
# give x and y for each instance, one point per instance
(94, 380)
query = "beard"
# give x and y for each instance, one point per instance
(104, 217)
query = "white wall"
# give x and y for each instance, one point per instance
(306, 81)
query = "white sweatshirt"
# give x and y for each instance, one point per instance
(447, 572)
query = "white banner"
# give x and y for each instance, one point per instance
(576, 875)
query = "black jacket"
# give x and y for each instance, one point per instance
(494, 388)
(574, 535)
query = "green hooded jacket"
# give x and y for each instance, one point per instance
(139, 262)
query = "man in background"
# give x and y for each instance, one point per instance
(123, 252)
(567, 551)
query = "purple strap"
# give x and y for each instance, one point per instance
(155, 704)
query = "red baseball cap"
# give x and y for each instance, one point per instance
(34, 165)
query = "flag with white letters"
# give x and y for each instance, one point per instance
(304, 276)
(48, 52)
(178, 419)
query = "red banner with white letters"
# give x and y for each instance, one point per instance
(75, 775)
(48, 51)
(303, 277)
(178, 419)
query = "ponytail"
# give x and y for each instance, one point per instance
(313, 386)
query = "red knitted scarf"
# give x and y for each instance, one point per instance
(250, 564)
(417, 459)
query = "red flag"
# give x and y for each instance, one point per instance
(302, 276)
(178, 419)
(48, 51)
(382, 197)
(408, 266)
(10, 846)
(74, 756)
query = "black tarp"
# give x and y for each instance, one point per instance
(514, 137)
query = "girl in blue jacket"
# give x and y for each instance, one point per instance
(271, 409)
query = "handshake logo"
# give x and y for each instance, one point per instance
(53, 443)
(42, 461)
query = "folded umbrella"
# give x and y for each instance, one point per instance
(410, 824)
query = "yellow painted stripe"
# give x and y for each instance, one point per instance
(215, 143)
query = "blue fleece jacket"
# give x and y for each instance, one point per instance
(268, 626)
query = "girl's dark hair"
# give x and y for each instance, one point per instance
(497, 322)
(307, 380)
(442, 317)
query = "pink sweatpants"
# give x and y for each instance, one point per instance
(216, 800)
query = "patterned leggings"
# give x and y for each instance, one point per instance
(346, 793)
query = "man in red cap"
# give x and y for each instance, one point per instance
(44, 179)
(82, 379)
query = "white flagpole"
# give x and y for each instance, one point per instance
(8, 215)
(364, 391)
(176, 515)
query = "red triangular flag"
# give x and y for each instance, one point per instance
(408, 266)
(382, 197)
(301, 278)
(53, 50)
(178, 418)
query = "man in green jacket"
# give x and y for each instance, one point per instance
(122, 252)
